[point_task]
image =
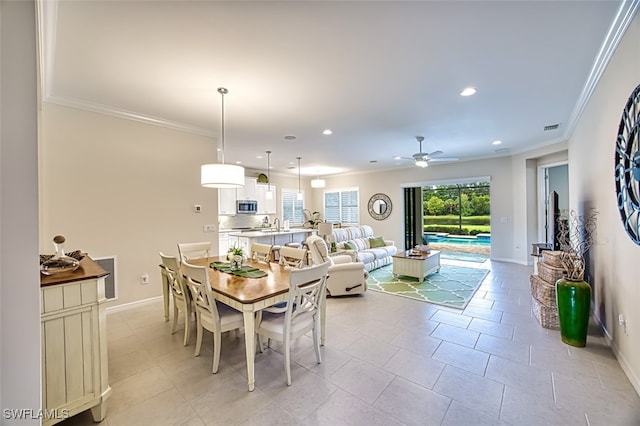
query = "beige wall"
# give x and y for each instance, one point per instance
(613, 272)
(116, 187)
(119, 187)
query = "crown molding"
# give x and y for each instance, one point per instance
(622, 20)
(128, 115)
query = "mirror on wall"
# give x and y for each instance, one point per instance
(379, 206)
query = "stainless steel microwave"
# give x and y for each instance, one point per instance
(246, 206)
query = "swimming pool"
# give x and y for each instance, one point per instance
(480, 240)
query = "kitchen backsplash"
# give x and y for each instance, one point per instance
(243, 221)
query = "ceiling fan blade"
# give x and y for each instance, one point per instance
(435, 153)
(443, 159)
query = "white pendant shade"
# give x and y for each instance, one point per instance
(318, 183)
(221, 176)
(268, 194)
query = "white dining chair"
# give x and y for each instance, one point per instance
(170, 268)
(194, 250)
(261, 252)
(293, 257)
(210, 315)
(306, 295)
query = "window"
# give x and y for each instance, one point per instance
(341, 206)
(292, 208)
(461, 209)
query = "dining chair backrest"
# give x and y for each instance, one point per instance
(306, 290)
(294, 257)
(197, 278)
(197, 250)
(171, 270)
(261, 252)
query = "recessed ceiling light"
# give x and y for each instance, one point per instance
(496, 142)
(468, 91)
(373, 161)
(258, 156)
(290, 137)
(327, 132)
(238, 162)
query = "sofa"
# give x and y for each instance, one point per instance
(361, 242)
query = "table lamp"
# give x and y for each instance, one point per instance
(324, 229)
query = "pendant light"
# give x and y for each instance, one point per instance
(299, 195)
(220, 175)
(318, 183)
(269, 194)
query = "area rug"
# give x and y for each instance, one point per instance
(453, 286)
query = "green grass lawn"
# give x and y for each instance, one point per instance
(449, 223)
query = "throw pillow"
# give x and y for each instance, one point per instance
(350, 246)
(376, 242)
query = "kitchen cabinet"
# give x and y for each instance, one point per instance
(223, 243)
(227, 201)
(265, 206)
(248, 191)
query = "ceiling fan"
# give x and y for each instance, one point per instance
(422, 159)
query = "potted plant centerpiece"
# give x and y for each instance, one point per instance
(573, 294)
(235, 256)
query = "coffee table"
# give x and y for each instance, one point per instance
(417, 266)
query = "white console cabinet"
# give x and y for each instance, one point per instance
(74, 343)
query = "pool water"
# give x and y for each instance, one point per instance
(480, 240)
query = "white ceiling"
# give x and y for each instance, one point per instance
(378, 73)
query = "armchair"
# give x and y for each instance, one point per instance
(345, 277)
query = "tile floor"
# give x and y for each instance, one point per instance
(387, 361)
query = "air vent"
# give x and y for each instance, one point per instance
(551, 127)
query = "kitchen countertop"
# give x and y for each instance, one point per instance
(254, 234)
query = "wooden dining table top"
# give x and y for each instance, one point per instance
(247, 290)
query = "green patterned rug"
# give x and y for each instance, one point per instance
(453, 286)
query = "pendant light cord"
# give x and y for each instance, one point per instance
(222, 92)
(269, 171)
(299, 174)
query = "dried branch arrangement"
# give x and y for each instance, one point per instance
(576, 236)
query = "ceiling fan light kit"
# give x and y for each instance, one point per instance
(422, 159)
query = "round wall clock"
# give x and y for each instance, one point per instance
(379, 206)
(627, 166)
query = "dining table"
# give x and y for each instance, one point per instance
(250, 295)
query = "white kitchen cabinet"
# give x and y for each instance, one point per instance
(248, 191)
(223, 243)
(74, 343)
(265, 206)
(227, 201)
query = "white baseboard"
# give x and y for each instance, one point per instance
(510, 260)
(132, 305)
(624, 364)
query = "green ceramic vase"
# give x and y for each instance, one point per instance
(574, 306)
